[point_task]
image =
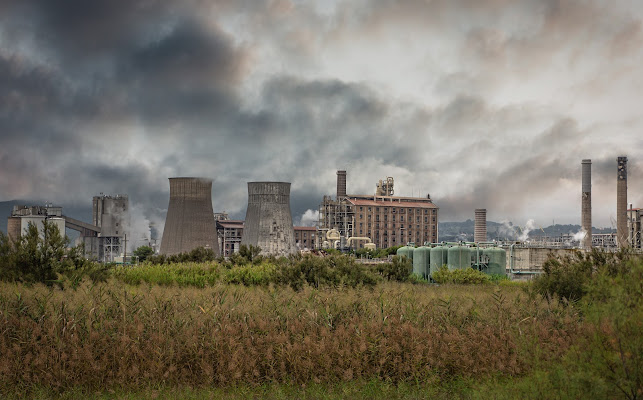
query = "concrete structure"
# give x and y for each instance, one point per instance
(634, 220)
(22, 216)
(621, 202)
(268, 221)
(305, 237)
(480, 225)
(386, 220)
(531, 259)
(229, 233)
(586, 203)
(111, 214)
(190, 221)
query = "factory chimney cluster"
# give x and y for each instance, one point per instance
(586, 203)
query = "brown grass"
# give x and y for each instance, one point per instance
(115, 335)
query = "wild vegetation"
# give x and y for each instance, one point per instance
(306, 326)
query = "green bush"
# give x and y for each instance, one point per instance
(567, 278)
(44, 258)
(399, 270)
(460, 276)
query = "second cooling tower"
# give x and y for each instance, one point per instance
(190, 221)
(268, 219)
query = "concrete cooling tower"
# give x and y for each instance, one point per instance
(268, 219)
(190, 221)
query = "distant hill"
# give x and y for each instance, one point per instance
(456, 231)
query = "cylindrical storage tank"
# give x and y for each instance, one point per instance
(497, 261)
(438, 258)
(421, 261)
(406, 251)
(476, 255)
(459, 257)
(268, 223)
(190, 221)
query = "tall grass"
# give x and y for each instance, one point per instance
(117, 335)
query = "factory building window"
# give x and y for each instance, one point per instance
(361, 208)
(426, 219)
(369, 209)
(377, 209)
(417, 219)
(369, 224)
(426, 212)
(386, 218)
(394, 218)
(433, 219)
(401, 218)
(361, 216)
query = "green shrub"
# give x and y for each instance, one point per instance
(460, 276)
(567, 278)
(399, 270)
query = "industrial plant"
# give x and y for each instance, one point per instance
(382, 218)
(346, 222)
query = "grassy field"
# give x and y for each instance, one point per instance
(131, 338)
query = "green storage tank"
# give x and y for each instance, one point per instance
(406, 251)
(421, 261)
(497, 261)
(476, 255)
(459, 257)
(438, 258)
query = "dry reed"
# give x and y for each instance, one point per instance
(116, 335)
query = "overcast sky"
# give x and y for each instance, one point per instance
(481, 103)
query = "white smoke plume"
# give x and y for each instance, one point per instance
(529, 226)
(580, 235)
(506, 230)
(141, 226)
(309, 218)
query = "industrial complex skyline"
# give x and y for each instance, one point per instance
(483, 104)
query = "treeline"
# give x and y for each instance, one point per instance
(43, 257)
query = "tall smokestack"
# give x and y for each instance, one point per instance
(341, 184)
(268, 219)
(190, 221)
(480, 225)
(586, 203)
(621, 202)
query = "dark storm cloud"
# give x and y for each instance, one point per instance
(116, 96)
